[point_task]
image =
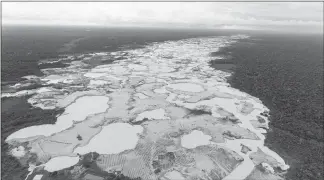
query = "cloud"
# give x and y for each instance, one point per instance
(264, 15)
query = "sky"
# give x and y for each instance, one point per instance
(286, 16)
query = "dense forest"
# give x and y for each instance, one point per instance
(286, 73)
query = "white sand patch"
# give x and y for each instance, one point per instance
(227, 89)
(94, 75)
(16, 85)
(159, 69)
(137, 67)
(194, 139)
(19, 85)
(29, 77)
(119, 109)
(44, 89)
(114, 78)
(174, 175)
(83, 107)
(118, 69)
(101, 69)
(98, 82)
(77, 111)
(18, 94)
(38, 177)
(113, 139)
(229, 105)
(53, 79)
(261, 130)
(101, 53)
(28, 92)
(189, 87)
(141, 95)
(60, 162)
(45, 129)
(154, 114)
(161, 90)
(171, 97)
(18, 151)
(184, 96)
(72, 97)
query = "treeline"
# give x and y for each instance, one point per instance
(286, 73)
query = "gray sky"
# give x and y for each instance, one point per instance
(291, 16)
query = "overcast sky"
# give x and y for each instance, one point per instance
(291, 16)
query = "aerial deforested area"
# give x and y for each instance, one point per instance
(138, 113)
